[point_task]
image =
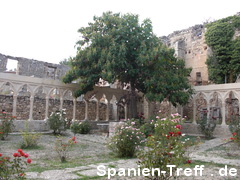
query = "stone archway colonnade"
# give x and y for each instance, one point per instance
(16, 82)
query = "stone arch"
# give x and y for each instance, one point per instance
(39, 103)
(201, 106)
(23, 102)
(68, 103)
(80, 108)
(7, 91)
(231, 106)
(54, 100)
(215, 106)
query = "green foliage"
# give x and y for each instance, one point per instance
(30, 139)
(207, 126)
(82, 127)
(223, 64)
(164, 147)
(62, 147)
(126, 141)
(117, 47)
(148, 128)
(6, 124)
(57, 121)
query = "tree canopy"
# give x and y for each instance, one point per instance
(117, 47)
(224, 63)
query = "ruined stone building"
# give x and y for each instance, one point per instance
(189, 45)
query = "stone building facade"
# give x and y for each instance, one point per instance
(189, 45)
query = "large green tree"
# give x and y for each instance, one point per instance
(224, 63)
(117, 47)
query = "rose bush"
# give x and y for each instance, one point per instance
(164, 147)
(62, 147)
(127, 140)
(14, 168)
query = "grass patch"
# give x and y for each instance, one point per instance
(51, 164)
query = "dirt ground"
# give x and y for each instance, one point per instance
(91, 149)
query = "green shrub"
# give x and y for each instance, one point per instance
(148, 128)
(30, 139)
(207, 126)
(235, 129)
(164, 147)
(6, 124)
(83, 127)
(126, 141)
(57, 121)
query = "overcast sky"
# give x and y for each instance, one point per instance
(46, 30)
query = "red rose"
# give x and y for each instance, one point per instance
(171, 133)
(149, 135)
(234, 134)
(74, 138)
(26, 155)
(20, 150)
(21, 174)
(29, 161)
(0, 154)
(15, 154)
(188, 161)
(178, 126)
(179, 133)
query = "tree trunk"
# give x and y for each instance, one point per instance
(133, 103)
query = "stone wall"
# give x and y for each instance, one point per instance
(189, 45)
(34, 68)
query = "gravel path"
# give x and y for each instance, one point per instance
(213, 151)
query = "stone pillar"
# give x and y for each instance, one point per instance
(61, 103)
(208, 111)
(31, 108)
(86, 110)
(125, 112)
(14, 113)
(97, 110)
(194, 112)
(115, 111)
(107, 110)
(223, 114)
(47, 105)
(74, 108)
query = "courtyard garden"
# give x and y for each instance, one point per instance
(136, 144)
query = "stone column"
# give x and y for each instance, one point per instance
(125, 112)
(208, 111)
(61, 103)
(223, 114)
(194, 112)
(97, 110)
(31, 108)
(74, 108)
(47, 105)
(107, 110)
(86, 110)
(14, 113)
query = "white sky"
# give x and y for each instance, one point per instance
(46, 30)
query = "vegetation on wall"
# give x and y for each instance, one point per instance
(117, 47)
(224, 63)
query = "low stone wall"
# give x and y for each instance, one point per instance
(192, 129)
